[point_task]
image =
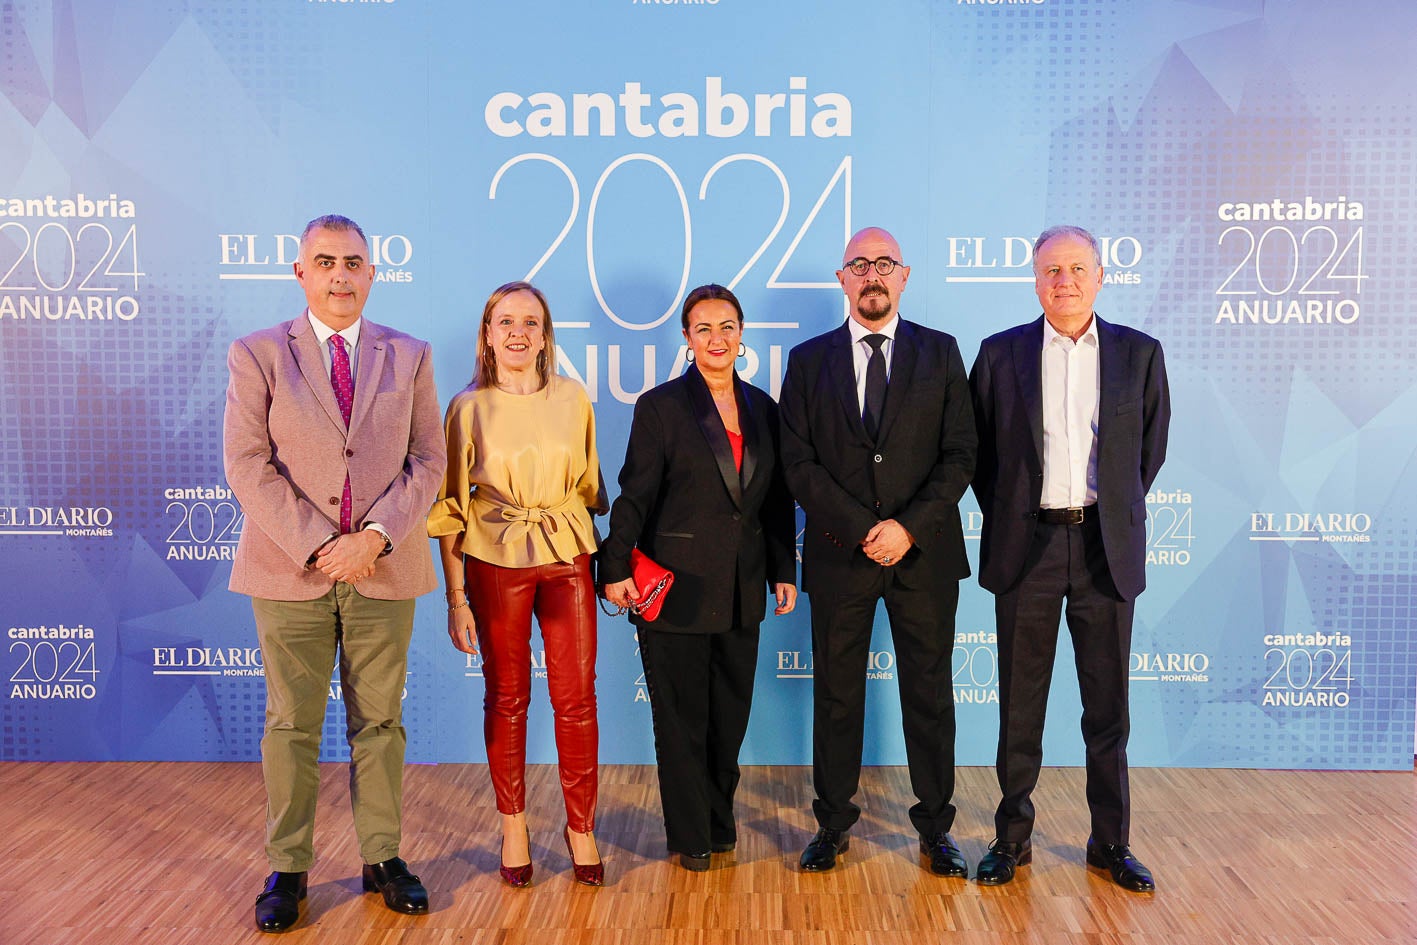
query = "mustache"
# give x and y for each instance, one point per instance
(874, 288)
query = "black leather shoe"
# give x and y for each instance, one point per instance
(822, 852)
(945, 858)
(723, 846)
(694, 862)
(401, 890)
(1126, 869)
(1002, 861)
(278, 905)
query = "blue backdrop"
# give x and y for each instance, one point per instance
(1249, 166)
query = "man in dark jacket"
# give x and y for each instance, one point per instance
(1073, 414)
(878, 445)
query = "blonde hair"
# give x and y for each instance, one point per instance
(486, 373)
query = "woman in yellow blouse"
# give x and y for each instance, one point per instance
(513, 523)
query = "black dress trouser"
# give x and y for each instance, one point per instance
(922, 621)
(1066, 563)
(700, 692)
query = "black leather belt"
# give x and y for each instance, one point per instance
(1073, 516)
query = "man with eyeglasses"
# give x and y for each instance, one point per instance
(878, 445)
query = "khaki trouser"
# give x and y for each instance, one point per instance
(299, 641)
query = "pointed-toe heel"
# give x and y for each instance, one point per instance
(516, 876)
(587, 875)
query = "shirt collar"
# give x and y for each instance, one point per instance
(1089, 336)
(323, 332)
(859, 331)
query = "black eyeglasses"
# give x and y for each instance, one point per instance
(861, 265)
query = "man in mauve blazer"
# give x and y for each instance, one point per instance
(1073, 415)
(878, 445)
(334, 448)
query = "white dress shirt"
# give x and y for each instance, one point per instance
(1071, 386)
(323, 334)
(861, 353)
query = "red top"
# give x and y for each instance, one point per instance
(735, 443)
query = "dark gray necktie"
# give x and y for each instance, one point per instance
(875, 386)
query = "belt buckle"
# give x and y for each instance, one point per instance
(1069, 516)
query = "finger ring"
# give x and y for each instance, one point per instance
(886, 559)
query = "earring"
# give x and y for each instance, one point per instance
(742, 349)
(689, 355)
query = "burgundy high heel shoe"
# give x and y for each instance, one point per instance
(592, 875)
(516, 876)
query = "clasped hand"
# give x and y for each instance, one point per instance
(887, 542)
(350, 558)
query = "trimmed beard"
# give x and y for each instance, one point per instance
(870, 316)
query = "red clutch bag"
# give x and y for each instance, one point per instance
(653, 580)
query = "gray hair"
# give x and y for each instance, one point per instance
(1068, 230)
(332, 221)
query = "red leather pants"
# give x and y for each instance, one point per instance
(562, 597)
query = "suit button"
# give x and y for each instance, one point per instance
(878, 457)
(334, 500)
(736, 516)
(349, 452)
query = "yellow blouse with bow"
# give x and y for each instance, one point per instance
(523, 475)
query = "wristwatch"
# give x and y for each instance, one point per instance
(388, 542)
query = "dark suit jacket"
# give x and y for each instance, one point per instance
(1133, 414)
(683, 503)
(915, 473)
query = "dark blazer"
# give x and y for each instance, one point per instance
(683, 503)
(1134, 411)
(915, 472)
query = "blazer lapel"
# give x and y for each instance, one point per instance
(902, 370)
(1028, 368)
(752, 436)
(306, 351)
(1112, 374)
(369, 366)
(706, 414)
(843, 380)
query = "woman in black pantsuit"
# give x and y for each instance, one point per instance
(702, 493)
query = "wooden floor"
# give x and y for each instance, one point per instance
(116, 854)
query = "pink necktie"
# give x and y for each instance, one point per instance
(343, 383)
